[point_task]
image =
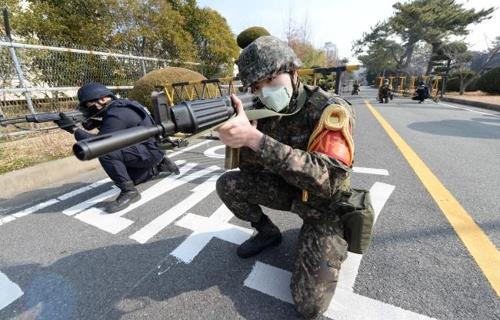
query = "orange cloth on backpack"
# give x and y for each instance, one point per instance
(333, 137)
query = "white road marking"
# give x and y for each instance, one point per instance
(381, 172)
(9, 291)
(271, 281)
(35, 208)
(114, 223)
(83, 189)
(50, 202)
(467, 109)
(71, 211)
(379, 193)
(6, 219)
(200, 192)
(345, 304)
(173, 154)
(211, 152)
(207, 228)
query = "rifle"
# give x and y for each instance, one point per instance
(76, 116)
(187, 117)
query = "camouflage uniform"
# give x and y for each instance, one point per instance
(275, 176)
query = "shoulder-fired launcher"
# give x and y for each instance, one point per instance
(187, 117)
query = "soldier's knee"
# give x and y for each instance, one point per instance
(310, 308)
(115, 155)
(227, 184)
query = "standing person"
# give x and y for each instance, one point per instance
(129, 166)
(299, 161)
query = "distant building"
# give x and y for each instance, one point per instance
(332, 53)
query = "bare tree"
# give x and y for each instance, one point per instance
(493, 51)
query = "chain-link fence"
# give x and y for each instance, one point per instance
(48, 76)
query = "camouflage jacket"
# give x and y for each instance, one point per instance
(283, 150)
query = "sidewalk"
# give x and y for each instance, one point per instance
(486, 102)
(42, 175)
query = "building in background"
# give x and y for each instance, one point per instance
(332, 54)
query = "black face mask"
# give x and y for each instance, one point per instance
(92, 111)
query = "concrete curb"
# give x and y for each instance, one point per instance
(43, 174)
(478, 104)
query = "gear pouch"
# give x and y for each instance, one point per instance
(357, 216)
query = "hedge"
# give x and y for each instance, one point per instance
(159, 78)
(490, 81)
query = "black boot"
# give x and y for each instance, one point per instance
(127, 196)
(268, 235)
(167, 165)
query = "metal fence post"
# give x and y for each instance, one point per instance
(337, 81)
(143, 66)
(17, 65)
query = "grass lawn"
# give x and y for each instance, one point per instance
(21, 152)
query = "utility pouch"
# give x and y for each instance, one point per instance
(356, 213)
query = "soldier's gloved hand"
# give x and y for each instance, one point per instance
(239, 132)
(66, 123)
(91, 124)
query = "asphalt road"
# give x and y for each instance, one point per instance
(173, 255)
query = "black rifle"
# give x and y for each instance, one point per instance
(76, 116)
(187, 117)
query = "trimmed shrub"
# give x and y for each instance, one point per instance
(159, 78)
(490, 81)
(248, 35)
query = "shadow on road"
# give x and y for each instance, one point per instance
(459, 128)
(128, 281)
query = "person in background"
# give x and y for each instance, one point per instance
(126, 167)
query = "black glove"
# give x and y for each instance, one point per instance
(91, 124)
(66, 123)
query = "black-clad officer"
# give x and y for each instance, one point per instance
(129, 166)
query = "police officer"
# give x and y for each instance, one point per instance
(421, 93)
(384, 92)
(297, 161)
(129, 166)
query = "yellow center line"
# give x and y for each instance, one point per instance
(475, 240)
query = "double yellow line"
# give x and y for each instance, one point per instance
(475, 240)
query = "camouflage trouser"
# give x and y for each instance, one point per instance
(321, 248)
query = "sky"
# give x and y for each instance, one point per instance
(340, 22)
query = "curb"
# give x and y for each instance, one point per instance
(478, 104)
(43, 174)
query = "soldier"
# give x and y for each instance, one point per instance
(298, 161)
(355, 88)
(129, 166)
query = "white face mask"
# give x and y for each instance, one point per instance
(276, 98)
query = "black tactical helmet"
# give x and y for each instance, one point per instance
(93, 91)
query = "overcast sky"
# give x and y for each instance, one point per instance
(340, 22)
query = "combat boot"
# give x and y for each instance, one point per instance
(168, 166)
(127, 196)
(268, 235)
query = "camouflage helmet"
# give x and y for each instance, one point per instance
(265, 57)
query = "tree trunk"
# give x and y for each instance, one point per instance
(430, 64)
(462, 87)
(408, 54)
